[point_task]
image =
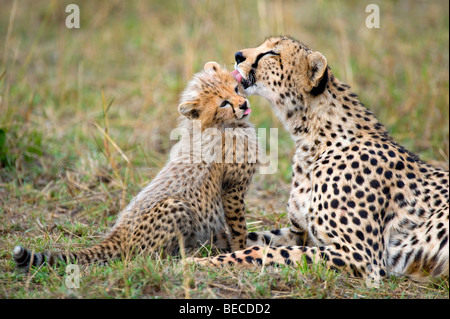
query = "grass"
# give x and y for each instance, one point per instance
(85, 118)
(167, 278)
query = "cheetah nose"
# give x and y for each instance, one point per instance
(239, 57)
(243, 106)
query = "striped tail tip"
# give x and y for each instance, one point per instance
(19, 253)
(21, 257)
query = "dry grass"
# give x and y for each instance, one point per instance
(85, 117)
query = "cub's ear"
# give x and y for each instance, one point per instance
(214, 66)
(317, 65)
(189, 109)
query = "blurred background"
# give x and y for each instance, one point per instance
(85, 114)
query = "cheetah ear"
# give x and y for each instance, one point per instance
(214, 66)
(189, 109)
(317, 65)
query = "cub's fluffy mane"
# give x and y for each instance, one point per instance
(201, 81)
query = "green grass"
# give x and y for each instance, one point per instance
(168, 278)
(66, 94)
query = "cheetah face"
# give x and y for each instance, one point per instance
(279, 65)
(214, 96)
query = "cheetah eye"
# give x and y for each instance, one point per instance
(225, 103)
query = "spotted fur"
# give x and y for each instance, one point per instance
(189, 199)
(359, 201)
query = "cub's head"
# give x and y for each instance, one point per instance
(281, 65)
(212, 96)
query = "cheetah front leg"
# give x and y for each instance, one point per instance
(287, 236)
(298, 206)
(332, 256)
(234, 206)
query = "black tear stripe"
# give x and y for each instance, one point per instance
(250, 80)
(260, 56)
(320, 88)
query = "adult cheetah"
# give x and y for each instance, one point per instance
(192, 198)
(359, 202)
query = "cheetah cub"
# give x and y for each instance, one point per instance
(199, 193)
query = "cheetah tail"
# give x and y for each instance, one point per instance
(24, 257)
(110, 248)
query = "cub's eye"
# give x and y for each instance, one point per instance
(225, 103)
(236, 89)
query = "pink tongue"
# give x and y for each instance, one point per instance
(247, 111)
(237, 75)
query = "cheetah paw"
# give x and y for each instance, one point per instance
(198, 261)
